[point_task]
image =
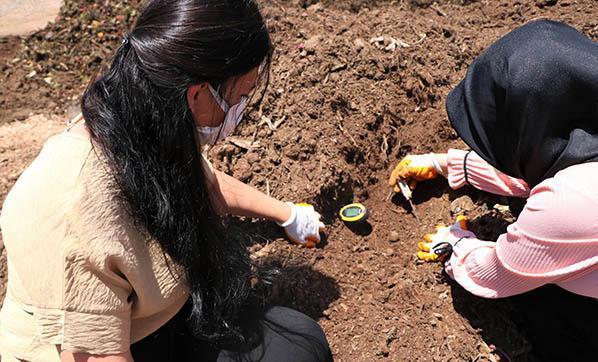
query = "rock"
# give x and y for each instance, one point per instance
(393, 237)
(501, 208)
(462, 205)
(226, 150)
(360, 44)
(484, 348)
(242, 170)
(252, 158)
(391, 335)
(311, 44)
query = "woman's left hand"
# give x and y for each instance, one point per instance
(304, 225)
(439, 245)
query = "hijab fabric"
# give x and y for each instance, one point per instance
(529, 104)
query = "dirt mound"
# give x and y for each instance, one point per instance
(53, 65)
(355, 86)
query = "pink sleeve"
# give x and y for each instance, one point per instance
(481, 175)
(554, 241)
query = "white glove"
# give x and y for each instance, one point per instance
(439, 245)
(304, 225)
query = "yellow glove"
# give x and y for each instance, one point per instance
(414, 168)
(439, 245)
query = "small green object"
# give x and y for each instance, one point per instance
(354, 213)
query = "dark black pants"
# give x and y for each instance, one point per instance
(561, 326)
(287, 336)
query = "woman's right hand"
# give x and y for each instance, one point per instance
(415, 168)
(304, 225)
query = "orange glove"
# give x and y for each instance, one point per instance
(439, 245)
(414, 168)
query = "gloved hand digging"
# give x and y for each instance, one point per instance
(415, 168)
(439, 245)
(304, 225)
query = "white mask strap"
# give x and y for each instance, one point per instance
(221, 102)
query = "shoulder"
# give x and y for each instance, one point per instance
(565, 206)
(44, 190)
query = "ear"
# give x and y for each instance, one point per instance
(193, 93)
(194, 98)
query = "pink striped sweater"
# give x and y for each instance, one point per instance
(554, 240)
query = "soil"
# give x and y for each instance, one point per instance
(355, 86)
(21, 17)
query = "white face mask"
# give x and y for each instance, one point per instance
(232, 118)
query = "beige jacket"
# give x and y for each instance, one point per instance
(80, 274)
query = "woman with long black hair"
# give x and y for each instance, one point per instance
(115, 246)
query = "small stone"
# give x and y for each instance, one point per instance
(311, 44)
(438, 315)
(394, 236)
(462, 205)
(360, 44)
(252, 157)
(484, 348)
(501, 208)
(242, 170)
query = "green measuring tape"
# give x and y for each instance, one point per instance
(354, 213)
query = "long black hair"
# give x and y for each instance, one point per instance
(137, 113)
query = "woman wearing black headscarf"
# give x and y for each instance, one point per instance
(528, 109)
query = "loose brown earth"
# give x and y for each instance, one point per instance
(339, 112)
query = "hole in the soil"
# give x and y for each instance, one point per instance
(333, 197)
(340, 104)
(374, 123)
(353, 155)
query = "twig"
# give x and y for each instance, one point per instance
(423, 36)
(389, 196)
(245, 144)
(340, 126)
(438, 10)
(384, 147)
(267, 187)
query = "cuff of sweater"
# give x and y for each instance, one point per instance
(460, 270)
(456, 168)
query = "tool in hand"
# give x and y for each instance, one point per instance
(354, 213)
(439, 245)
(406, 191)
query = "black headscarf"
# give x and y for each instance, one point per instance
(529, 104)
